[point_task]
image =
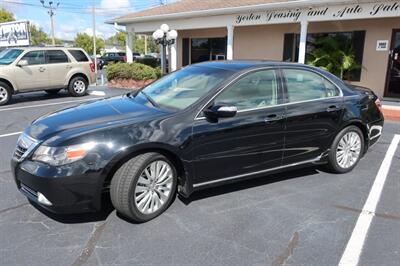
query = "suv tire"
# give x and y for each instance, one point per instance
(78, 86)
(5, 93)
(346, 150)
(144, 187)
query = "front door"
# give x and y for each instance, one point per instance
(35, 75)
(250, 142)
(393, 79)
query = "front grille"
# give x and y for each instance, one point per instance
(19, 152)
(28, 191)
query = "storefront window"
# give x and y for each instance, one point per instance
(208, 49)
(340, 53)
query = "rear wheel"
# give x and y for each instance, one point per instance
(144, 187)
(78, 86)
(52, 92)
(5, 93)
(346, 150)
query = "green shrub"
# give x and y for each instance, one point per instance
(133, 71)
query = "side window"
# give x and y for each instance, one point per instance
(79, 55)
(305, 85)
(34, 58)
(56, 56)
(255, 90)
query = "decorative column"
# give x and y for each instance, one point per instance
(303, 41)
(173, 57)
(229, 45)
(129, 47)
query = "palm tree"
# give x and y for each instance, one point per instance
(333, 53)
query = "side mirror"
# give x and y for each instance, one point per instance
(22, 63)
(218, 111)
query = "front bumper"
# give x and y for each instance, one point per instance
(67, 190)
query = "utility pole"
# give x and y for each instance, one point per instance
(51, 11)
(94, 38)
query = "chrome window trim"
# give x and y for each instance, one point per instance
(197, 117)
(255, 173)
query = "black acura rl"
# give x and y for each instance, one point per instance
(205, 125)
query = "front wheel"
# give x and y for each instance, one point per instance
(346, 150)
(78, 86)
(144, 187)
(5, 93)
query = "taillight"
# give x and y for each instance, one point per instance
(92, 67)
(378, 104)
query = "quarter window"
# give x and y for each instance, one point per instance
(256, 90)
(34, 58)
(79, 55)
(305, 85)
(56, 56)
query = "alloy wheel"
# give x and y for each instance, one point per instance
(348, 150)
(3, 94)
(154, 186)
(79, 86)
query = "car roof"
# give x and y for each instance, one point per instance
(240, 65)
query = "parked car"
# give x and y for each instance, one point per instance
(205, 125)
(29, 69)
(114, 57)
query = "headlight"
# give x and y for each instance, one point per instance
(62, 155)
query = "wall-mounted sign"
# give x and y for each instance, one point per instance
(14, 33)
(337, 12)
(382, 45)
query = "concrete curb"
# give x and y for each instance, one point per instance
(391, 112)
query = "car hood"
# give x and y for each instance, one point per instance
(91, 115)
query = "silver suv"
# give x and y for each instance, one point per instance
(50, 69)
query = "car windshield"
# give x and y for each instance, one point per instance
(9, 55)
(180, 89)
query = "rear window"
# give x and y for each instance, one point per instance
(56, 56)
(79, 55)
(121, 54)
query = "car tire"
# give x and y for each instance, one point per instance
(346, 150)
(52, 92)
(136, 195)
(78, 86)
(5, 93)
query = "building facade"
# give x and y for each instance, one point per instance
(365, 33)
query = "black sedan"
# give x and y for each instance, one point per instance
(205, 125)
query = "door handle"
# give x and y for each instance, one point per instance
(42, 69)
(333, 108)
(273, 118)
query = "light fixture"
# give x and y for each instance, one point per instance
(165, 37)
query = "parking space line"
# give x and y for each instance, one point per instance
(351, 254)
(48, 104)
(10, 134)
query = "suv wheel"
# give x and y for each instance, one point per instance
(346, 150)
(5, 93)
(78, 86)
(144, 187)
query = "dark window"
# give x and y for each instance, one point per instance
(121, 54)
(56, 56)
(305, 85)
(325, 49)
(34, 58)
(185, 51)
(79, 55)
(208, 49)
(256, 90)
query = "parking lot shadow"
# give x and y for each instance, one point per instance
(101, 215)
(37, 96)
(249, 183)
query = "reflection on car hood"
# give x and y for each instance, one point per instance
(98, 113)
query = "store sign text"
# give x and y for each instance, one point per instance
(386, 9)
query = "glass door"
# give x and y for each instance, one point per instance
(393, 79)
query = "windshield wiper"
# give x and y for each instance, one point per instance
(150, 99)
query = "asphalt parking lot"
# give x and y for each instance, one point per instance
(302, 217)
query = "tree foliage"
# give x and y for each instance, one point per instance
(6, 16)
(334, 53)
(85, 41)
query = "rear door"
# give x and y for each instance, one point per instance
(34, 76)
(247, 143)
(59, 65)
(314, 111)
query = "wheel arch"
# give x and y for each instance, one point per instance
(9, 84)
(363, 129)
(78, 74)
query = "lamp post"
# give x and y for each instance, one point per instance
(165, 37)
